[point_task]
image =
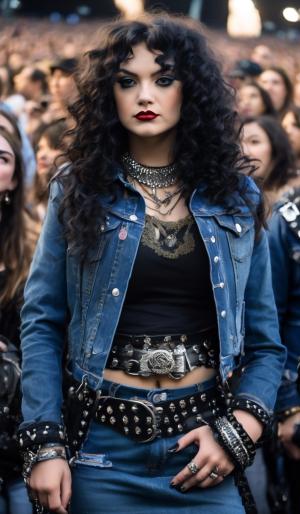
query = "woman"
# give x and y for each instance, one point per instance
(253, 100)
(48, 147)
(277, 83)
(16, 248)
(125, 259)
(265, 141)
(291, 124)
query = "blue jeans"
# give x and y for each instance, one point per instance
(14, 499)
(115, 474)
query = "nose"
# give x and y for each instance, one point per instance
(145, 94)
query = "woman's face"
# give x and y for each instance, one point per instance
(7, 166)
(249, 101)
(45, 156)
(274, 84)
(292, 129)
(148, 100)
(256, 144)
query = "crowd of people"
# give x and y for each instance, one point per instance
(55, 109)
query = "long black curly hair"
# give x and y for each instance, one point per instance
(206, 149)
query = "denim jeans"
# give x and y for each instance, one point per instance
(115, 474)
(14, 499)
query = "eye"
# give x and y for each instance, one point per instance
(3, 159)
(165, 81)
(126, 82)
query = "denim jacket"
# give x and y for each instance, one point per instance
(285, 261)
(90, 296)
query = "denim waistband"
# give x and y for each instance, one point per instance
(155, 395)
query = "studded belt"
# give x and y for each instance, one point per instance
(172, 355)
(143, 421)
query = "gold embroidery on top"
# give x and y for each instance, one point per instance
(169, 239)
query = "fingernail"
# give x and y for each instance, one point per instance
(172, 484)
(183, 489)
(173, 449)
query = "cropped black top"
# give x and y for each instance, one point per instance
(170, 290)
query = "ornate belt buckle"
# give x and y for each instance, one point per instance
(158, 362)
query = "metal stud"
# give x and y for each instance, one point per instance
(192, 400)
(184, 413)
(180, 428)
(138, 430)
(170, 430)
(136, 419)
(122, 407)
(135, 408)
(85, 413)
(166, 420)
(172, 407)
(112, 420)
(125, 420)
(126, 430)
(203, 397)
(195, 409)
(149, 420)
(149, 431)
(109, 410)
(160, 410)
(182, 404)
(176, 417)
(80, 433)
(103, 418)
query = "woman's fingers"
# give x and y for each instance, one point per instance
(66, 489)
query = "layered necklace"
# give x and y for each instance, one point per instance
(152, 178)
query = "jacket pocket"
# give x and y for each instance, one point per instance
(240, 234)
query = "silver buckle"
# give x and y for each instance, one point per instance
(158, 362)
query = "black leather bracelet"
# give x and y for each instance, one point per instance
(249, 444)
(258, 412)
(231, 441)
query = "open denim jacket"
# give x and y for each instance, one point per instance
(91, 296)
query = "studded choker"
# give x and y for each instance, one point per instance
(153, 177)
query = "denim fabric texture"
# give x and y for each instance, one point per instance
(116, 474)
(285, 261)
(91, 296)
(14, 499)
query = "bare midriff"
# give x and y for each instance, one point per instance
(196, 376)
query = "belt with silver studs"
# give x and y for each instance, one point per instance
(143, 421)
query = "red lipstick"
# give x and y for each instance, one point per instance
(146, 116)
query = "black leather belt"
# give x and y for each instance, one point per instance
(173, 355)
(143, 421)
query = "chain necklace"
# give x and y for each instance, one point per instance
(163, 176)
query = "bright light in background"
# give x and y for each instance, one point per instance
(243, 19)
(291, 14)
(130, 8)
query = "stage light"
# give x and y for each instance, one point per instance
(130, 9)
(243, 19)
(291, 14)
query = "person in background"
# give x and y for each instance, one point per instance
(265, 140)
(49, 145)
(62, 88)
(263, 55)
(291, 124)
(18, 234)
(253, 100)
(277, 83)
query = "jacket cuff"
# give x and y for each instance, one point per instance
(41, 433)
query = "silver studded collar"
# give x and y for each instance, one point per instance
(163, 176)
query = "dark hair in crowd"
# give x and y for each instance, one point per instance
(284, 166)
(11, 118)
(206, 149)
(15, 247)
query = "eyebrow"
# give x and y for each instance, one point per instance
(169, 68)
(3, 152)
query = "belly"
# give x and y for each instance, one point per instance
(196, 376)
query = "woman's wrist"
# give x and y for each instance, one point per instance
(251, 425)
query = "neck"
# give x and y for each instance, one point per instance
(154, 151)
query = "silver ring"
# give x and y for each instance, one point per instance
(213, 474)
(193, 467)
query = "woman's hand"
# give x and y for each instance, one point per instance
(285, 433)
(210, 458)
(50, 483)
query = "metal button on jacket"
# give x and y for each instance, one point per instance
(133, 217)
(223, 314)
(238, 227)
(115, 291)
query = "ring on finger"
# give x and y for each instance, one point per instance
(214, 473)
(192, 466)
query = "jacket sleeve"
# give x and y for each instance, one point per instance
(264, 355)
(282, 264)
(44, 322)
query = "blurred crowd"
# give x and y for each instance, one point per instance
(37, 65)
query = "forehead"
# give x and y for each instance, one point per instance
(143, 58)
(271, 75)
(5, 146)
(253, 128)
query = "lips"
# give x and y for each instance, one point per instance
(146, 116)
